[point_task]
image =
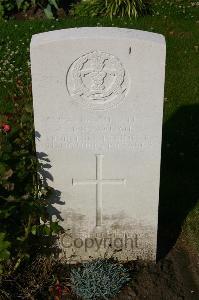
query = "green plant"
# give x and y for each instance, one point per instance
(24, 218)
(7, 7)
(111, 8)
(4, 249)
(48, 10)
(99, 279)
(130, 8)
(88, 8)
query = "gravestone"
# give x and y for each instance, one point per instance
(98, 106)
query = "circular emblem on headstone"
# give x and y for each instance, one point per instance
(97, 80)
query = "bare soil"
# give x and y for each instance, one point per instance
(174, 277)
(36, 14)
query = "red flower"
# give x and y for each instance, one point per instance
(58, 289)
(6, 128)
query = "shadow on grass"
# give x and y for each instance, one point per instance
(179, 184)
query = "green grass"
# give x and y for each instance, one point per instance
(186, 9)
(179, 190)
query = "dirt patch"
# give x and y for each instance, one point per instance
(37, 14)
(176, 277)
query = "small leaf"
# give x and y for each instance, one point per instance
(4, 254)
(34, 230)
(19, 3)
(2, 167)
(1, 267)
(28, 108)
(48, 12)
(9, 186)
(55, 227)
(6, 213)
(47, 230)
(8, 174)
(11, 199)
(54, 3)
(4, 245)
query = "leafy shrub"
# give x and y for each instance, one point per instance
(88, 8)
(99, 279)
(4, 249)
(111, 8)
(7, 7)
(23, 199)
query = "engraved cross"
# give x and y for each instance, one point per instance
(99, 181)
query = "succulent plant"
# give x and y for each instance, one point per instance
(99, 279)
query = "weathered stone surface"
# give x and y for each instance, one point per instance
(98, 102)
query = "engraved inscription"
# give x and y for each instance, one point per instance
(82, 132)
(99, 181)
(97, 80)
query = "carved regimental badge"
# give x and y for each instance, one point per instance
(97, 80)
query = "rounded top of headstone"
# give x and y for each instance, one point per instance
(95, 33)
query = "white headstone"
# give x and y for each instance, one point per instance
(98, 105)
